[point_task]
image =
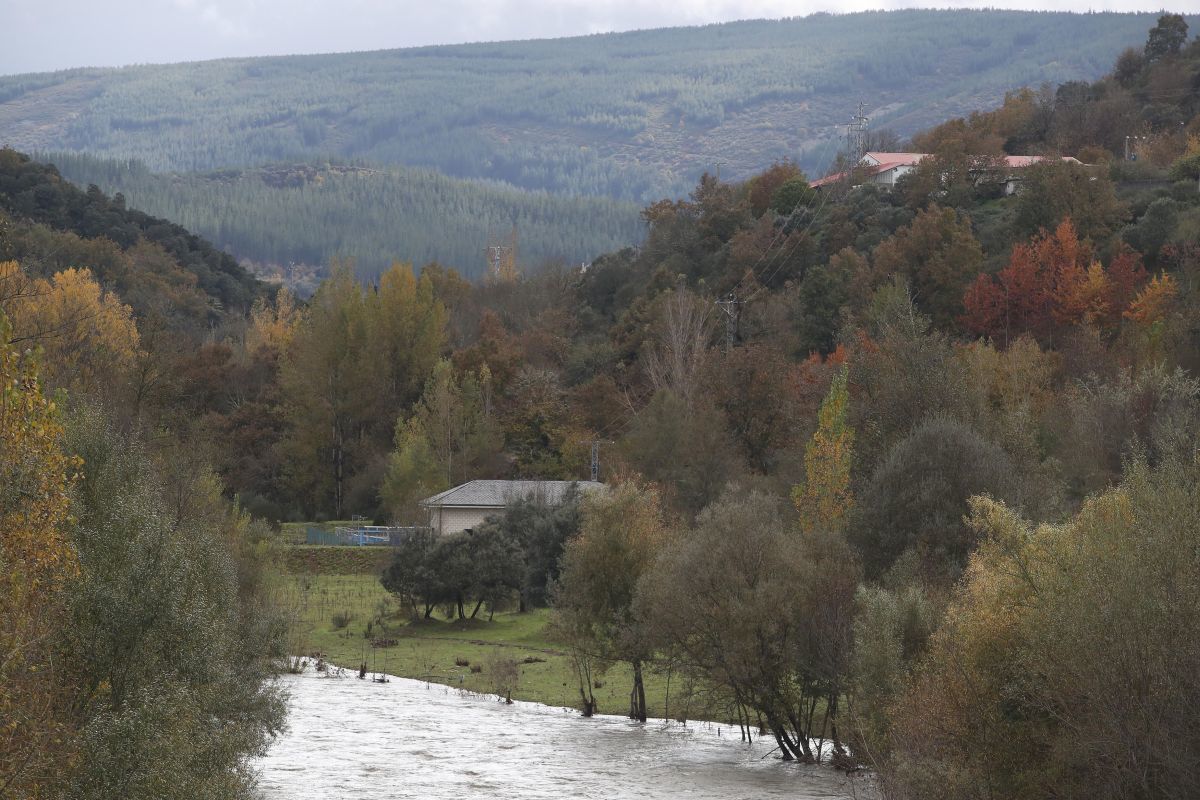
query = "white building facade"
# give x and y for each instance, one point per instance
(465, 507)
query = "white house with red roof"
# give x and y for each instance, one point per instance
(884, 169)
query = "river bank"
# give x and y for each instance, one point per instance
(350, 619)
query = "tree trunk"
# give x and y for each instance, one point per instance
(339, 442)
(478, 606)
(583, 672)
(840, 756)
(785, 753)
(667, 702)
(637, 697)
(744, 724)
(803, 731)
(462, 614)
(792, 750)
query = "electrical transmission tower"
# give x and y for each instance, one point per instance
(595, 443)
(501, 257)
(856, 134)
(731, 305)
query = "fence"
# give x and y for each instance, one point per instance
(363, 535)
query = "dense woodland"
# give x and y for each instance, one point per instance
(633, 116)
(925, 485)
(35, 201)
(281, 219)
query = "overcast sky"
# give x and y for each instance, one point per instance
(54, 34)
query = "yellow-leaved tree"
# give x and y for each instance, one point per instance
(824, 499)
(36, 563)
(357, 358)
(1154, 301)
(272, 326)
(88, 337)
(1151, 311)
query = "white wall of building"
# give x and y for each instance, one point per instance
(453, 520)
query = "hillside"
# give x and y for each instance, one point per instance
(910, 471)
(632, 115)
(291, 221)
(49, 224)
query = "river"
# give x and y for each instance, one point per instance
(354, 739)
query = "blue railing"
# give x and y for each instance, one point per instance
(363, 535)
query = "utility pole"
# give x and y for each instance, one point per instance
(730, 304)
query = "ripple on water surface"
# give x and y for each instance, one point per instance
(350, 738)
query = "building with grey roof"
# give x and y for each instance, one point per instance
(465, 507)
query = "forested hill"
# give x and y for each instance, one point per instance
(49, 224)
(934, 498)
(633, 115)
(290, 221)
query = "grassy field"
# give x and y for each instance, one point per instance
(445, 651)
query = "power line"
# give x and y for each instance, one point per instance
(856, 136)
(787, 221)
(731, 304)
(618, 423)
(799, 240)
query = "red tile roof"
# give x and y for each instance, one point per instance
(906, 159)
(884, 162)
(867, 170)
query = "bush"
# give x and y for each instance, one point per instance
(505, 675)
(1186, 168)
(1069, 662)
(917, 496)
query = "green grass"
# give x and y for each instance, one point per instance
(429, 650)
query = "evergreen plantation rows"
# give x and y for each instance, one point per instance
(307, 215)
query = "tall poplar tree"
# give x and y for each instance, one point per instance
(824, 499)
(452, 436)
(357, 359)
(324, 393)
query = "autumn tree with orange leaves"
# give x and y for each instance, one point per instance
(1050, 284)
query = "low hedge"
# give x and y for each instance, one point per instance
(335, 560)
